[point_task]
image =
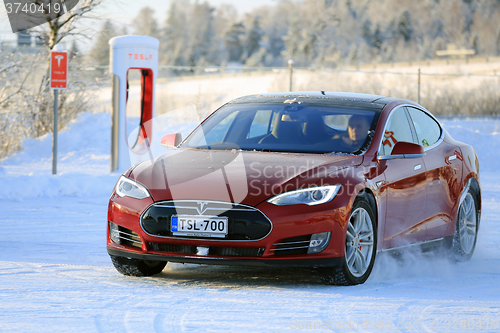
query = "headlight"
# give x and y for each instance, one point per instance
(129, 188)
(310, 196)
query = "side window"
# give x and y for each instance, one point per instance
(398, 129)
(260, 123)
(428, 130)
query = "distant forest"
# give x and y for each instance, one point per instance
(314, 33)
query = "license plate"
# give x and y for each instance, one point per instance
(199, 226)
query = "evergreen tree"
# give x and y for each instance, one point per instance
(373, 39)
(404, 26)
(201, 32)
(315, 32)
(254, 36)
(293, 40)
(234, 41)
(367, 32)
(308, 46)
(174, 37)
(99, 54)
(378, 39)
(74, 51)
(498, 44)
(145, 23)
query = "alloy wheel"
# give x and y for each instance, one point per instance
(359, 242)
(467, 223)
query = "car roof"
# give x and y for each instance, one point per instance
(323, 98)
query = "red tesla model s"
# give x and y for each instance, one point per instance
(308, 179)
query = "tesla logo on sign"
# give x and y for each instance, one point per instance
(59, 58)
(59, 70)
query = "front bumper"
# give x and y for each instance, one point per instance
(307, 262)
(285, 244)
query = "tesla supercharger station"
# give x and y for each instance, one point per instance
(132, 53)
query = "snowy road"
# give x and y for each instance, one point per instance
(55, 274)
(64, 298)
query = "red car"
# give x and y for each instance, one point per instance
(308, 179)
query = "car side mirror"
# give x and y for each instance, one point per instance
(404, 150)
(171, 140)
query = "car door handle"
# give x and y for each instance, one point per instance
(417, 167)
(452, 157)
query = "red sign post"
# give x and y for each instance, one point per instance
(58, 80)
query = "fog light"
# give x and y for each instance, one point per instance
(114, 233)
(319, 242)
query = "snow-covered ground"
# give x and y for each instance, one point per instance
(55, 274)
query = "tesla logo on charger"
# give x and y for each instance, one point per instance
(140, 56)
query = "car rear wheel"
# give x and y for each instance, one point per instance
(137, 267)
(360, 246)
(464, 239)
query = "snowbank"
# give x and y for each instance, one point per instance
(83, 167)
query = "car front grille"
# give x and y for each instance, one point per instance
(293, 245)
(212, 250)
(244, 222)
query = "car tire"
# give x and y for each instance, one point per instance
(137, 267)
(361, 245)
(461, 246)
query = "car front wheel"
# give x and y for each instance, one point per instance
(137, 267)
(360, 246)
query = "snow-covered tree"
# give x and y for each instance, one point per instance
(99, 54)
(253, 36)
(201, 33)
(145, 23)
(234, 41)
(174, 37)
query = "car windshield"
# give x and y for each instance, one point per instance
(285, 128)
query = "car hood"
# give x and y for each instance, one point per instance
(247, 177)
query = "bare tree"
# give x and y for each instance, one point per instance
(16, 71)
(61, 27)
(52, 33)
(25, 98)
